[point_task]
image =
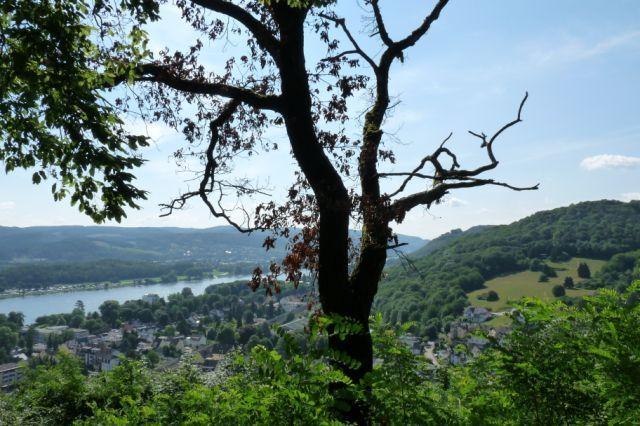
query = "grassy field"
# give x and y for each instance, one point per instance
(513, 287)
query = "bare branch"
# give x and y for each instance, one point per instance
(397, 246)
(419, 32)
(415, 173)
(446, 179)
(262, 34)
(488, 142)
(400, 207)
(340, 22)
(395, 49)
(208, 184)
(382, 29)
(163, 74)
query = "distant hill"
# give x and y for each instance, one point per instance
(432, 291)
(90, 243)
(446, 239)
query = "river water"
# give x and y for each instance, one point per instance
(57, 303)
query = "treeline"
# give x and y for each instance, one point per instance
(620, 271)
(431, 289)
(43, 275)
(560, 365)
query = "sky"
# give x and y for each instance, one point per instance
(580, 138)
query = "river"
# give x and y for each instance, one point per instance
(33, 306)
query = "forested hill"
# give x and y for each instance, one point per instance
(432, 291)
(446, 239)
(84, 244)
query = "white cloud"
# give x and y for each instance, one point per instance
(7, 205)
(454, 202)
(630, 196)
(609, 161)
(577, 50)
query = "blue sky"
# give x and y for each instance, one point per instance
(580, 137)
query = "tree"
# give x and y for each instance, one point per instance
(568, 282)
(69, 126)
(227, 336)
(248, 317)
(110, 310)
(558, 291)
(492, 296)
(16, 318)
(583, 271)
(153, 358)
(8, 340)
(183, 327)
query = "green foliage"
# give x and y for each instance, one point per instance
(621, 270)
(584, 271)
(568, 282)
(53, 394)
(402, 389)
(490, 296)
(432, 291)
(561, 365)
(558, 291)
(54, 116)
(10, 326)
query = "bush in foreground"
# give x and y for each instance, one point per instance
(560, 365)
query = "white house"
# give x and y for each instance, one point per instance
(476, 314)
(9, 375)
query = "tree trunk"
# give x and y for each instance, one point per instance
(349, 298)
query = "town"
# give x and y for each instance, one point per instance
(204, 339)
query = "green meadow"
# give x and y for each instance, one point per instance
(511, 288)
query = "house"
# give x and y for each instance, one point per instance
(99, 358)
(110, 364)
(128, 328)
(477, 344)
(195, 341)
(39, 347)
(259, 321)
(148, 334)
(194, 320)
(42, 334)
(177, 341)
(10, 374)
(476, 314)
(113, 337)
(143, 347)
(292, 303)
(80, 334)
(413, 343)
(297, 325)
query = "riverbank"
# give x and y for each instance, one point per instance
(34, 305)
(70, 288)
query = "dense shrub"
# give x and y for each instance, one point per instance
(558, 291)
